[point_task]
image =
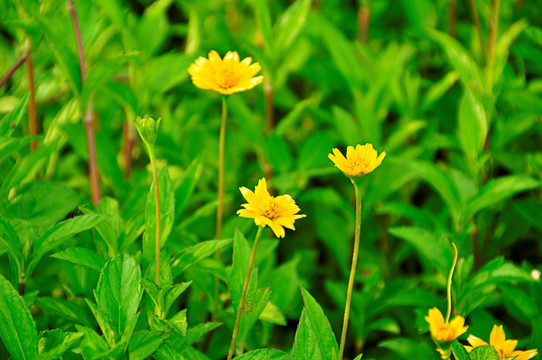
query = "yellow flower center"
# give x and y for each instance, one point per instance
(446, 333)
(270, 210)
(353, 164)
(225, 78)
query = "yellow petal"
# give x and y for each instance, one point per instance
(475, 341)
(497, 335)
(525, 355)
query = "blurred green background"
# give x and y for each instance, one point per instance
(450, 89)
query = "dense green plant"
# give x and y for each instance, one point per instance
(450, 90)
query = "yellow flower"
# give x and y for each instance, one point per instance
(359, 161)
(269, 210)
(505, 348)
(226, 76)
(444, 331)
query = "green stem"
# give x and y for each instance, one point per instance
(244, 293)
(157, 208)
(492, 39)
(220, 207)
(352, 269)
(449, 288)
(476, 20)
(221, 144)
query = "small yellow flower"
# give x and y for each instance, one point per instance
(226, 76)
(444, 331)
(359, 161)
(505, 348)
(269, 210)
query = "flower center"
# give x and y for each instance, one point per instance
(446, 333)
(225, 78)
(270, 210)
(353, 164)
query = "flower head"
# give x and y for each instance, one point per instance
(445, 331)
(505, 348)
(269, 210)
(359, 161)
(226, 76)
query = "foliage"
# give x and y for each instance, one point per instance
(459, 120)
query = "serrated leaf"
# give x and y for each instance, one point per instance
(486, 352)
(66, 309)
(17, 328)
(119, 291)
(459, 351)
(53, 344)
(144, 343)
(500, 189)
(193, 254)
(473, 124)
(319, 324)
(82, 256)
(306, 343)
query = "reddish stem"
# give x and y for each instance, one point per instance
(32, 112)
(14, 68)
(87, 118)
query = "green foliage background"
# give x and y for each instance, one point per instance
(461, 127)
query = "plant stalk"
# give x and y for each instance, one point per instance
(476, 20)
(269, 106)
(244, 293)
(87, 118)
(32, 113)
(492, 39)
(449, 288)
(15, 66)
(364, 22)
(221, 145)
(157, 210)
(353, 268)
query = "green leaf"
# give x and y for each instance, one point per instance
(498, 190)
(82, 256)
(289, 25)
(255, 303)
(119, 291)
(263, 18)
(319, 324)
(144, 343)
(408, 349)
(239, 269)
(264, 354)
(9, 122)
(17, 328)
(460, 59)
(188, 183)
(60, 233)
(167, 214)
(10, 241)
(459, 351)
(174, 292)
(97, 74)
(486, 352)
(473, 124)
(441, 181)
(435, 250)
(503, 46)
(179, 323)
(66, 309)
(193, 254)
(53, 344)
(306, 342)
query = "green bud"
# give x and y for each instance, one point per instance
(148, 129)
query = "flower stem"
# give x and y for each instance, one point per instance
(157, 208)
(352, 269)
(220, 207)
(244, 293)
(449, 288)
(221, 144)
(269, 106)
